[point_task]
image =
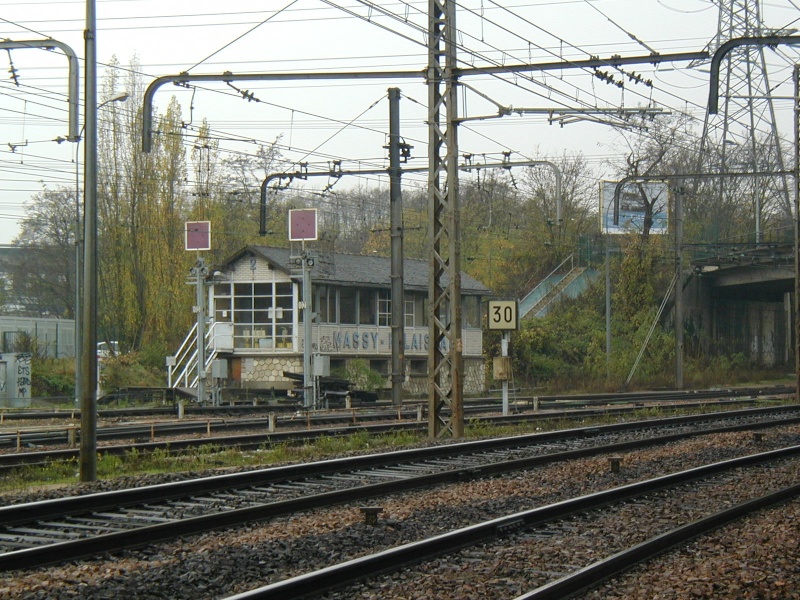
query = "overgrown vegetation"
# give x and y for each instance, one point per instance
(53, 377)
(360, 375)
(511, 238)
(129, 370)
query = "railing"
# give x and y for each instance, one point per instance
(563, 284)
(185, 359)
(547, 284)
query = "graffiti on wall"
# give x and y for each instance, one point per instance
(15, 378)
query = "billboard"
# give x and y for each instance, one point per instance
(633, 198)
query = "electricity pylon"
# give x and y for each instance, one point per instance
(743, 135)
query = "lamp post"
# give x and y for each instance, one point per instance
(120, 97)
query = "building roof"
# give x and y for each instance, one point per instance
(352, 269)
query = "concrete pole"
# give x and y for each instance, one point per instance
(679, 286)
(396, 226)
(797, 229)
(78, 281)
(608, 307)
(88, 447)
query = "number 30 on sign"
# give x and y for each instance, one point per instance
(503, 315)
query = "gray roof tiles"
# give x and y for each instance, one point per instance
(366, 271)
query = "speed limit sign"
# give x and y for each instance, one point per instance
(503, 315)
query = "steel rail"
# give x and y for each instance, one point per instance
(188, 426)
(348, 426)
(41, 512)
(54, 435)
(557, 400)
(316, 583)
(535, 403)
(600, 571)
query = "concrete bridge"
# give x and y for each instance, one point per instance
(740, 299)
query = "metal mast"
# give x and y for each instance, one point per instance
(445, 363)
(744, 130)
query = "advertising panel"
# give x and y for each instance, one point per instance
(632, 204)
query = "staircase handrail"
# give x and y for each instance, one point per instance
(186, 358)
(182, 356)
(546, 280)
(563, 289)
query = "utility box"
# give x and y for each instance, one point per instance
(219, 369)
(322, 365)
(223, 337)
(502, 368)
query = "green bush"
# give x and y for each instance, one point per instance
(52, 377)
(360, 375)
(126, 370)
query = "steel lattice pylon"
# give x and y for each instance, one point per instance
(444, 353)
(744, 132)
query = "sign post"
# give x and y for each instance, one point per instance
(198, 237)
(503, 316)
(303, 228)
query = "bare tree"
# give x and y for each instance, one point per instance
(43, 278)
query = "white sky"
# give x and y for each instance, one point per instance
(347, 119)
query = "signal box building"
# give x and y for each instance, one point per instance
(256, 319)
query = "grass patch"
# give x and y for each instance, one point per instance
(210, 456)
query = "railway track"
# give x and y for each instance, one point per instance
(39, 446)
(550, 545)
(56, 530)
(521, 402)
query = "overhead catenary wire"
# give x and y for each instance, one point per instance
(249, 31)
(230, 146)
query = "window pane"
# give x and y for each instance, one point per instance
(471, 311)
(283, 335)
(320, 304)
(384, 308)
(242, 336)
(347, 305)
(408, 311)
(241, 302)
(243, 289)
(262, 289)
(418, 367)
(283, 312)
(243, 316)
(366, 308)
(262, 303)
(222, 309)
(380, 366)
(415, 310)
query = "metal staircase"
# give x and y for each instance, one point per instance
(182, 366)
(566, 280)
